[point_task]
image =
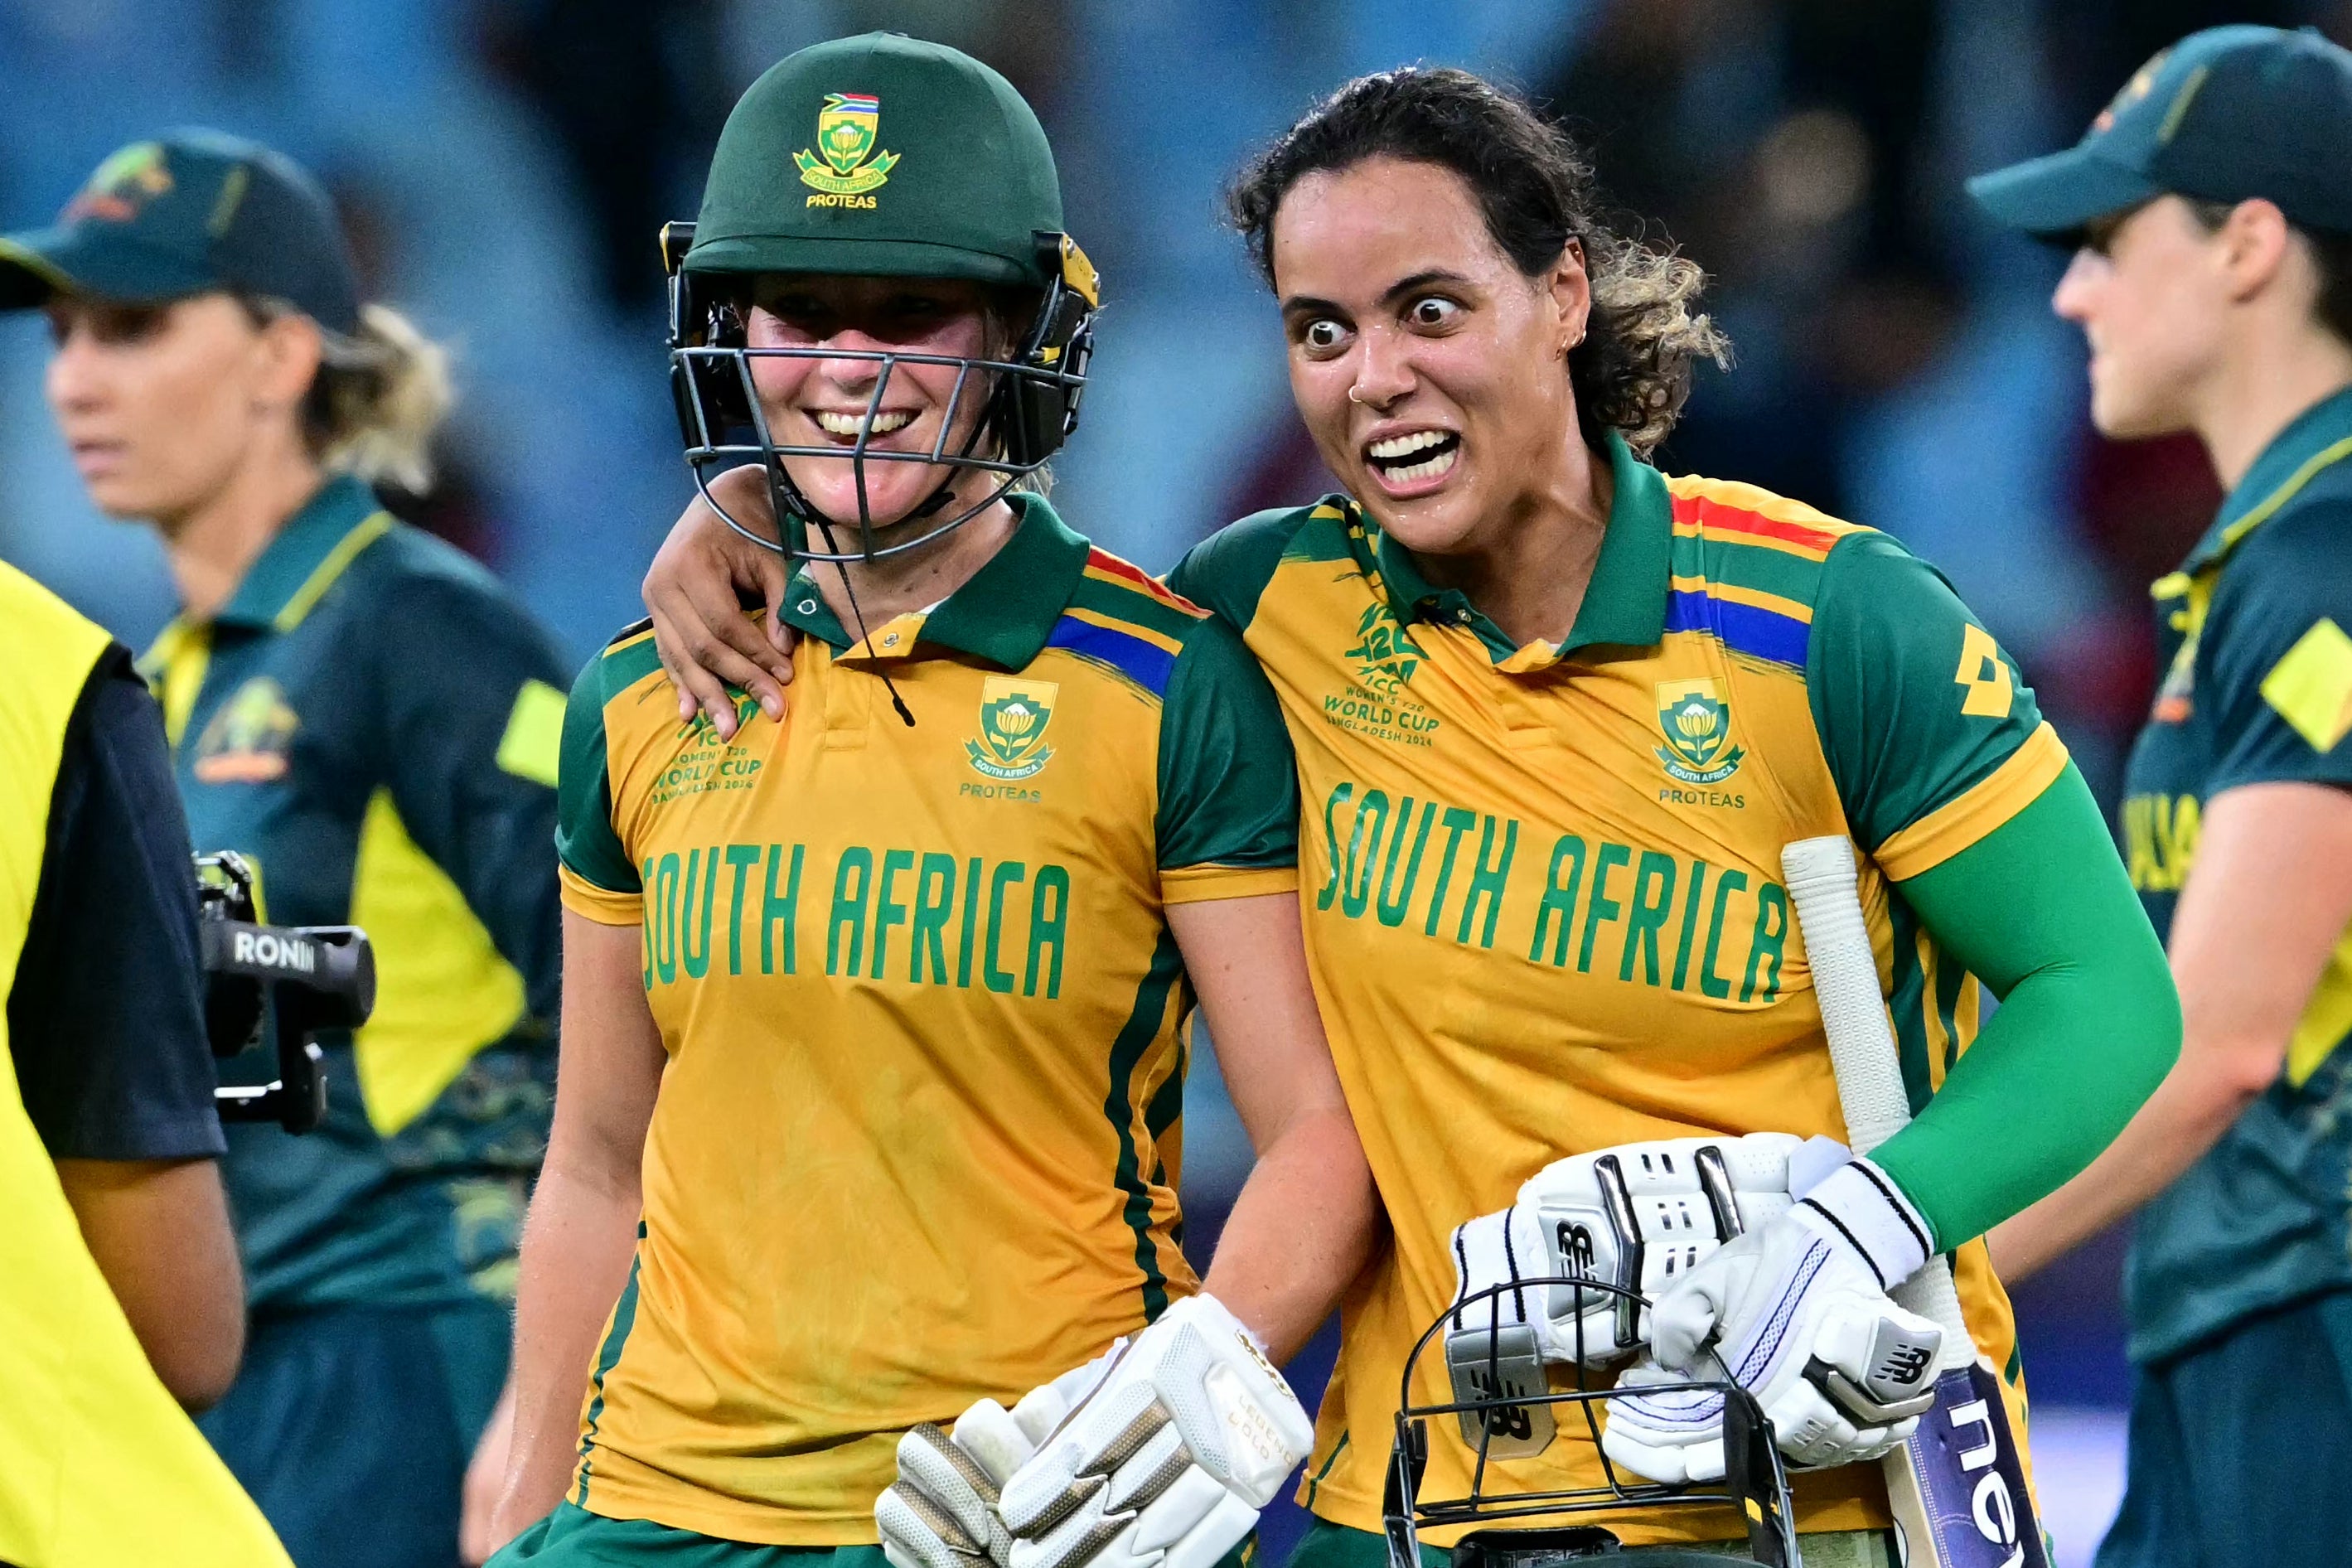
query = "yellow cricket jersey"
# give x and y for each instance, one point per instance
(1542, 884)
(917, 1141)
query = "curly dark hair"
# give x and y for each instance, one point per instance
(1633, 370)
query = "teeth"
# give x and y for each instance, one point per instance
(1428, 468)
(1402, 446)
(849, 423)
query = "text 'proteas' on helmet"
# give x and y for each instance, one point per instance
(880, 156)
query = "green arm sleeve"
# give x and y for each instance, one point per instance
(2089, 1023)
(1228, 780)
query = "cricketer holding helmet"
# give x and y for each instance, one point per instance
(876, 1014)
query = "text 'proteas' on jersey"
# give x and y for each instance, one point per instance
(918, 1138)
(1652, 917)
(1544, 909)
(894, 914)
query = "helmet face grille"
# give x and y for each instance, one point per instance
(1506, 1416)
(1031, 409)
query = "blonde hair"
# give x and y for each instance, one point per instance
(379, 396)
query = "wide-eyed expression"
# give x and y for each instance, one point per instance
(1428, 369)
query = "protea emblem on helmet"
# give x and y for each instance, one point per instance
(848, 130)
(1014, 713)
(1696, 723)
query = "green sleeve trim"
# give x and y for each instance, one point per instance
(1914, 702)
(1228, 571)
(2089, 1022)
(1228, 780)
(584, 840)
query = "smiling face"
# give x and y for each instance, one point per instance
(162, 405)
(815, 400)
(2151, 292)
(1430, 370)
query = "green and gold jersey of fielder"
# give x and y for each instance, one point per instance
(2255, 631)
(918, 1138)
(1542, 888)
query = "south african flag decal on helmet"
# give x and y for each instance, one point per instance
(1696, 723)
(845, 162)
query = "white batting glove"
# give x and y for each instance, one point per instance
(1166, 1462)
(1799, 1311)
(1639, 1217)
(941, 1511)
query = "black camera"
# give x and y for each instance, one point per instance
(298, 980)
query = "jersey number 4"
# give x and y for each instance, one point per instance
(1983, 675)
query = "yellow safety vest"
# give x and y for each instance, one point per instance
(99, 1468)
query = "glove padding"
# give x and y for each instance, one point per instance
(1167, 1460)
(941, 1511)
(1639, 1217)
(1799, 1313)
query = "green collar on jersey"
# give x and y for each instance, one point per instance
(340, 519)
(2317, 438)
(1004, 615)
(1625, 605)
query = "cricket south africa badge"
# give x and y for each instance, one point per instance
(845, 167)
(1014, 713)
(1696, 723)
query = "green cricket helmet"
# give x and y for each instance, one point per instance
(878, 156)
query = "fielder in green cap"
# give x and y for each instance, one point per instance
(2209, 209)
(876, 1008)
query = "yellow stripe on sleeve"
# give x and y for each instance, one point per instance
(1127, 628)
(1203, 884)
(1955, 825)
(589, 902)
(534, 737)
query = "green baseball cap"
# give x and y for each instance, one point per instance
(2224, 115)
(883, 156)
(186, 214)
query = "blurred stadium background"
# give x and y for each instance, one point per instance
(503, 165)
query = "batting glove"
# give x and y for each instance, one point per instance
(941, 1511)
(1639, 1217)
(1167, 1460)
(1799, 1313)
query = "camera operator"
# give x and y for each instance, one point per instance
(118, 1240)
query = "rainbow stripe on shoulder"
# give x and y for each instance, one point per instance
(1124, 619)
(1747, 567)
